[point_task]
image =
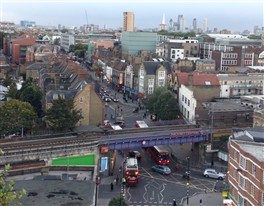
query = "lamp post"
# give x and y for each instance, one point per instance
(188, 180)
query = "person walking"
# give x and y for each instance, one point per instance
(123, 181)
(112, 186)
(117, 179)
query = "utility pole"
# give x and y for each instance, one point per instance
(188, 180)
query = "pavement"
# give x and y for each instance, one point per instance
(205, 199)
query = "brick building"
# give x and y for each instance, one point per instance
(246, 163)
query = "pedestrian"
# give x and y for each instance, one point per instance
(117, 179)
(111, 116)
(120, 169)
(123, 181)
(112, 186)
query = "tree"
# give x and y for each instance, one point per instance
(16, 115)
(62, 116)
(8, 195)
(163, 103)
(29, 92)
(117, 201)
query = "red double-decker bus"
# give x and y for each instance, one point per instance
(160, 155)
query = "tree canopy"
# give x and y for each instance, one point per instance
(163, 103)
(29, 92)
(62, 116)
(117, 201)
(177, 34)
(16, 115)
(8, 195)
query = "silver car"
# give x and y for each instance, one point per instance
(162, 169)
(212, 173)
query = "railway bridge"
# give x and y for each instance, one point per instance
(147, 139)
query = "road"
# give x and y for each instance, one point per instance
(155, 189)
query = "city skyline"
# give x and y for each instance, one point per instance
(148, 14)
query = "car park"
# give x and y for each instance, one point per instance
(135, 154)
(212, 173)
(162, 169)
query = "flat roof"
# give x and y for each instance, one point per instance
(54, 191)
(254, 149)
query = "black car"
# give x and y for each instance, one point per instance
(135, 154)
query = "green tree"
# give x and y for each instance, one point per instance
(117, 201)
(29, 92)
(62, 116)
(8, 195)
(72, 48)
(16, 115)
(64, 30)
(163, 103)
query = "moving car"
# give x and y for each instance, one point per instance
(135, 154)
(212, 173)
(162, 169)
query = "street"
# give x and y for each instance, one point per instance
(154, 189)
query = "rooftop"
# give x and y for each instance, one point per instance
(254, 149)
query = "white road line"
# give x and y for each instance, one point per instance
(147, 172)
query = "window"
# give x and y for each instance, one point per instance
(188, 102)
(243, 162)
(235, 155)
(253, 169)
(262, 198)
(234, 174)
(161, 83)
(151, 82)
(182, 98)
(252, 190)
(150, 90)
(242, 182)
(161, 74)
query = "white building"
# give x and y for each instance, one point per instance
(240, 84)
(187, 103)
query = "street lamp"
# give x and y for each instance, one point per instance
(188, 180)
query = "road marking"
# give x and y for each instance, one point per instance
(147, 172)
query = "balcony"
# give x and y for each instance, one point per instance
(246, 86)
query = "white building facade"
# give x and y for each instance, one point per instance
(240, 84)
(187, 103)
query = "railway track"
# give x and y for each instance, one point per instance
(84, 139)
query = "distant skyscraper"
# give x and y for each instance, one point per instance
(163, 26)
(194, 24)
(180, 23)
(26, 23)
(205, 25)
(128, 21)
(171, 25)
(59, 26)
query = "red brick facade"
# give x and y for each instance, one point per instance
(246, 173)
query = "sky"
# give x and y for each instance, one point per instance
(234, 15)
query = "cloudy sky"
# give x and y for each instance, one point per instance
(235, 15)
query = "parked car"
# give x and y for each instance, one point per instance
(107, 123)
(114, 99)
(135, 154)
(106, 98)
(212, 173)
(120, 123)
(162, 169)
